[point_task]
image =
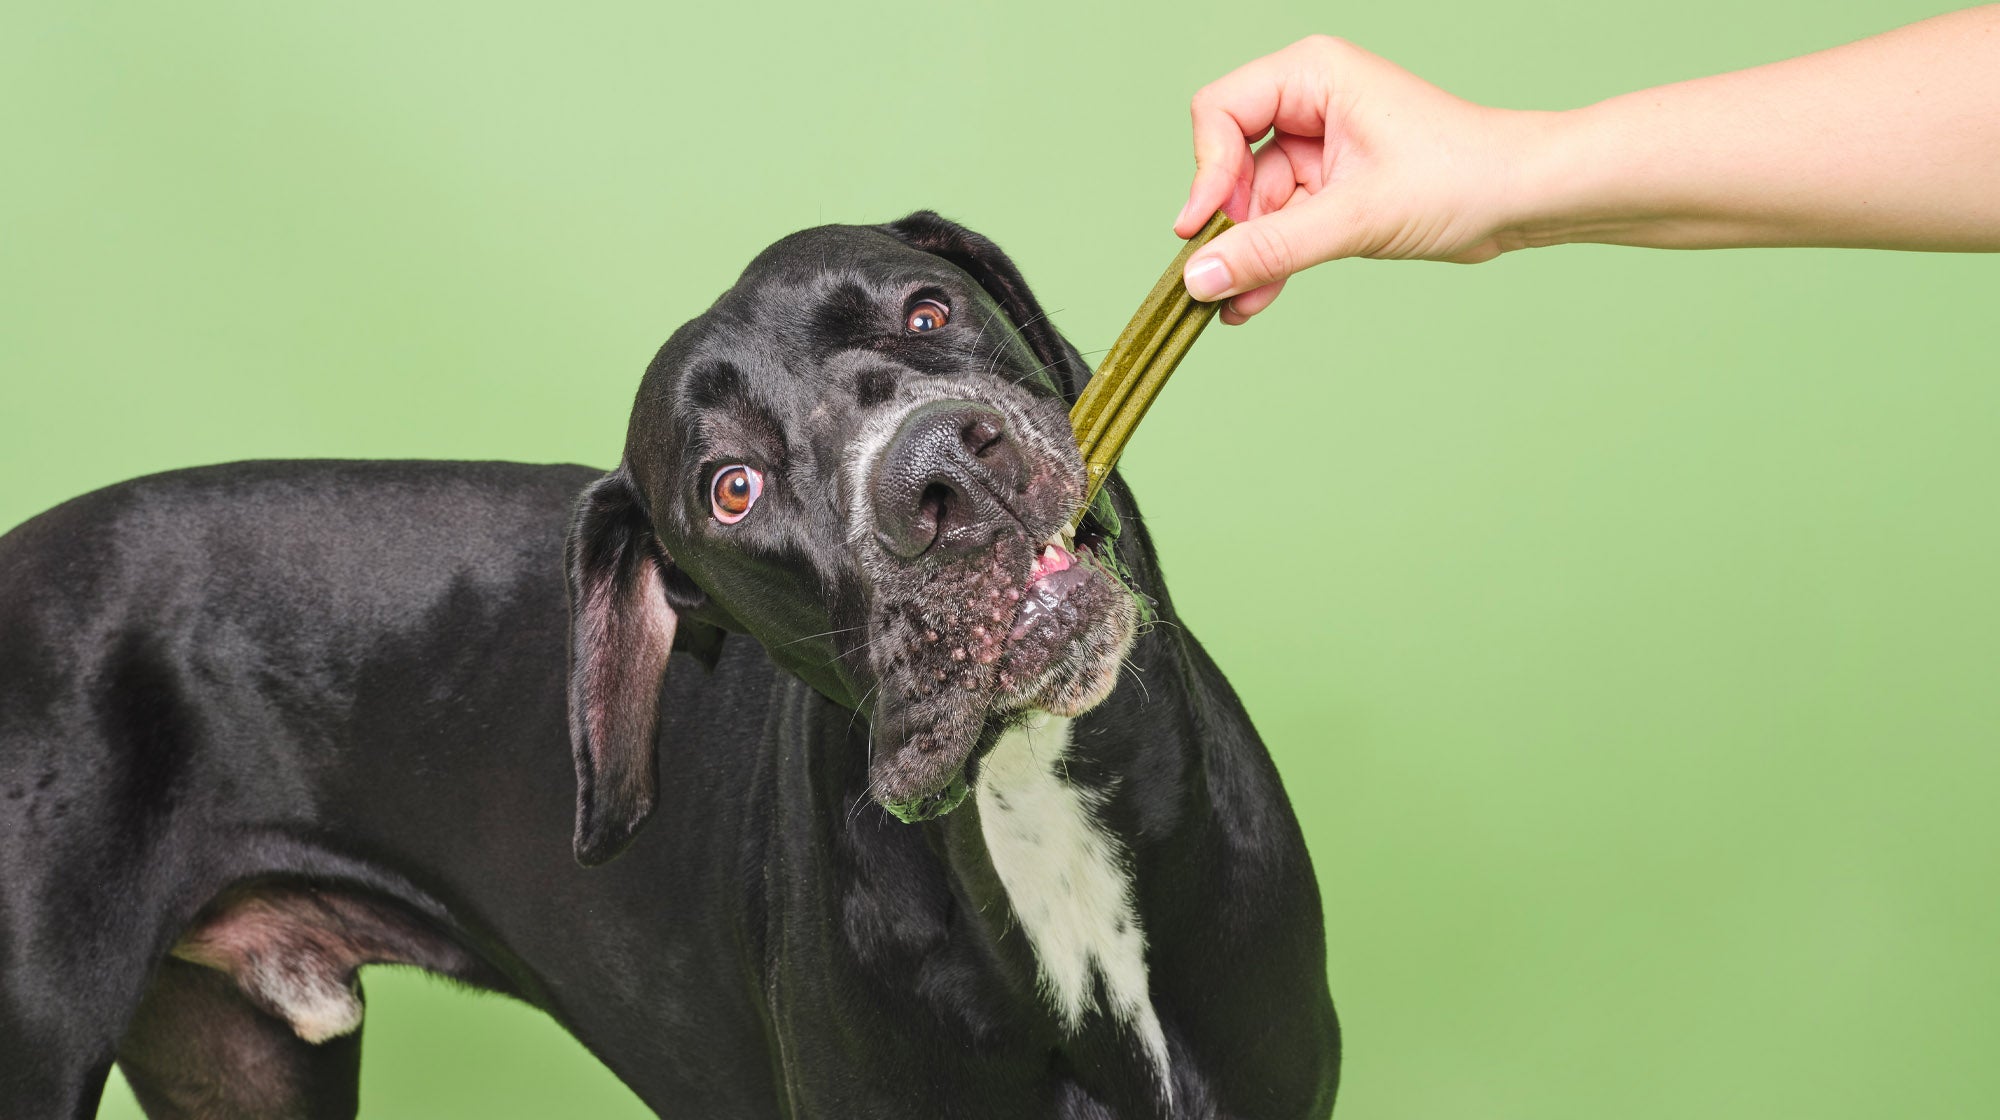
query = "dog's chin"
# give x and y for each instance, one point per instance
(1072, 626)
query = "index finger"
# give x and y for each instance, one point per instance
(1285, 90)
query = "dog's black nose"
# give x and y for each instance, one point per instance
(945, 477)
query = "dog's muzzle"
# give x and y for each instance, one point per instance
(978, 611)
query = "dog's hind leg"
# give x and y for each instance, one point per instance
(257, 1010)
(199, 1048)
(69, 972)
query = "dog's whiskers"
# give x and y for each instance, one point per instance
(828, 634)
(1016, 333)
(860, 704)
(1138, 677)
(1046, 365)
(866, 795)
(864, 647)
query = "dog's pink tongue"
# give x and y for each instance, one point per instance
(1054, 558)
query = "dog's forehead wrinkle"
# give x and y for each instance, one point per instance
(817, 259)
(744, 431)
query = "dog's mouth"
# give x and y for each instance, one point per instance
(1056, 574)
(1037, 629)
(1072, 592)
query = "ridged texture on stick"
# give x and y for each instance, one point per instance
(1132, 374)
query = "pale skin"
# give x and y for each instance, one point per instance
(1892, 142)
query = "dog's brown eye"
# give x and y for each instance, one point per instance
(926, 315)
(734, 491)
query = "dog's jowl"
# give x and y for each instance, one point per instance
(945, 813)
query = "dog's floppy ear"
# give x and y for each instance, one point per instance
(621, 629)
(984, 262)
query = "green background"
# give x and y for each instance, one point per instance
(1624, 622)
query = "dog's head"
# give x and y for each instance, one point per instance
(861, 456)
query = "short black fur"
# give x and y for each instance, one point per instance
(258, 704)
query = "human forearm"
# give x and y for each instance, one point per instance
(1891, 142)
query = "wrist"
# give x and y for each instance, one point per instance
(1631, 171)
(1558, 192)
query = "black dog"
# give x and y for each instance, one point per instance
(261, 724)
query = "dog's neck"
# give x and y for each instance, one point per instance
(1068, 880)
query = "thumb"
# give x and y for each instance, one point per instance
(1266, 249)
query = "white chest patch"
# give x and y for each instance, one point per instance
(1068, 881)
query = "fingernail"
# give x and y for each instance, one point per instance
(1186, 209)
(1206, 278)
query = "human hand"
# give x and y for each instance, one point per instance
(1364, 159)
(1891, 142)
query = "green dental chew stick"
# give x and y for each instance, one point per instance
(1137, 367)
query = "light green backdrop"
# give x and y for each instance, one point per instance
(1624, 622)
